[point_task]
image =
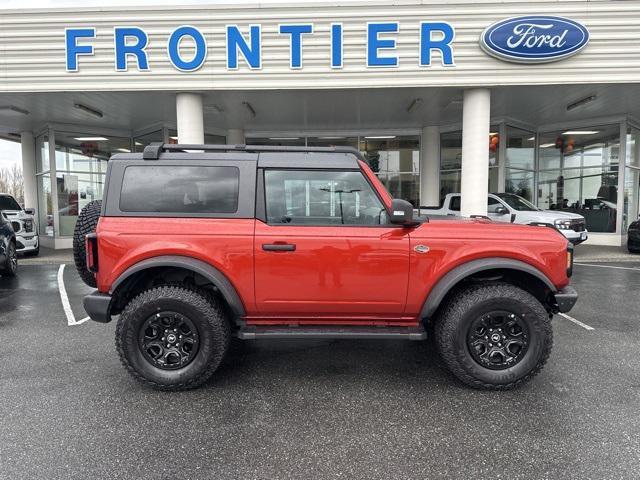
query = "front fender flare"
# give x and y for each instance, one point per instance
(211, 273)
(454, 276)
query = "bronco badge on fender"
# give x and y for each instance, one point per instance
(534, 39)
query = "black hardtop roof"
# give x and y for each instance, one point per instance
(269, 156)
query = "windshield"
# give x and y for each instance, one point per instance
(517, 203)
(8, 203)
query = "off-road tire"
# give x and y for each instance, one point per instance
(468, 304)
(10, 267)
(86, 224)
(204, 310)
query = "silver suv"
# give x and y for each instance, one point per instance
(23, 223)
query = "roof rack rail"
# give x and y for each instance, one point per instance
(153, 150)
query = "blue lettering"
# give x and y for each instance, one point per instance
(295, 48)
(173, 48)
(336, 45)
(73, 50)
(124, 49)
(374, 44)
(427, 43)
(235, 41)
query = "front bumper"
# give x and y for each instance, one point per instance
(575, 237)
(565, 299)
(98, 306)
(26, 244)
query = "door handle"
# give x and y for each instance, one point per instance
(278, 247)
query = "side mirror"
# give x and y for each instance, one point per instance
(30, 211)
(402, 213)
(502, 211)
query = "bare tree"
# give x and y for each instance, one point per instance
(12, 182)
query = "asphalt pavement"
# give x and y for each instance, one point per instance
(316, 409)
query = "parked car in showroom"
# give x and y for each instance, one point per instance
(8, 254)
(23, 223)
(509, 207)
(633, 237)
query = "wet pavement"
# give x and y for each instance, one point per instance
(317, 409)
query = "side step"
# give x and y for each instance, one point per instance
(369, 333)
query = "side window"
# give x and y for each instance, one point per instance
(493, 205)
(455, 204)
(180, 190)
(309, 197)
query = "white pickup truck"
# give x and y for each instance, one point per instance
(508, 207)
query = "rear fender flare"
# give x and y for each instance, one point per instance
(211, 273)
(459, 273)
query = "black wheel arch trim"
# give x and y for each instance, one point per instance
(459, 273)
(208, 271)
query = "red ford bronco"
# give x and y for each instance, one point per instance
(194, 245)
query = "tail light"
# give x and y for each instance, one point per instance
(569, 260)
(91, 247)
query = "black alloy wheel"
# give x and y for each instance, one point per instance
(12, 261)
(168, 340)
(498, 339)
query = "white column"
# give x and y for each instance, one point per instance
(29, 169)
(235, 136)
(475, 152)
(190, 118)
(430, 167)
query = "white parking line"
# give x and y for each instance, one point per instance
(607, 266)
(71, 319)
(577, 322)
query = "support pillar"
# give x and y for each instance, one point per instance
(235, 136)
(29, 170)
(430, 167)
(475, 151)
(190, 118)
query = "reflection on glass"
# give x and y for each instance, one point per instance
(277, 141)
(520, 149)
(519, 182)
(42, 154)
(396, 161)
(45, 205)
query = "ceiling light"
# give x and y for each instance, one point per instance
(380, 137)
(580, 132)
(581, 102)
(173, 138)
(547, 145)
(331, 138)
(251, 110)
(91, 139)
(123, 150)
(284, 138)
(491, 134)
(531, 139)
(13, 110)
(213, 108)
(89, 110)
(415, 104)
(138, 144)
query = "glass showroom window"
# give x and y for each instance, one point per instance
(43, 176)
(81, 162)
(520, 162)
(451, 161)
(632, 178)
(578, 172)
(278, 141)
(142, 141)
(332, 141)
(395, 160)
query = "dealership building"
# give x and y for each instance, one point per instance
(541, 99)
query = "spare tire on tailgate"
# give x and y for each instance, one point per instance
(87, 222)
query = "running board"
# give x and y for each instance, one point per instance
(369, 333)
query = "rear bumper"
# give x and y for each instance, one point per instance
(566, 299)
(26, 243)
(97, 306)
(575, 237)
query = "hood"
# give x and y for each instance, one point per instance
(20, 214)
(558, 215)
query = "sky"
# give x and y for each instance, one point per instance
(10, 153)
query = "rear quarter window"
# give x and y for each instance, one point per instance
(180, 189)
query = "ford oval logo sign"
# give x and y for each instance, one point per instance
(535, 39)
